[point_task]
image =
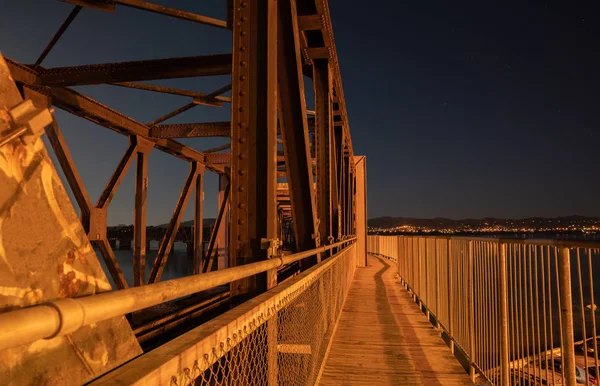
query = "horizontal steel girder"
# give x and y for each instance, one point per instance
(191, 130)
(85, 107)
(137, 70)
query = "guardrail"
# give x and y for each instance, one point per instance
(518, 310)
(280, 337)
(63, 316)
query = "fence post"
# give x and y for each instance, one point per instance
(471, 309)
(399, 253)
(450, 308)
(566, 314)
(503, 279)
(436, 271)
(417, 282)
(426, 276)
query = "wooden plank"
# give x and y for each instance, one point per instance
(383, 338)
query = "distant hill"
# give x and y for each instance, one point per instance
(436, 223)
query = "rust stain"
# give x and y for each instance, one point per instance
(68, 283)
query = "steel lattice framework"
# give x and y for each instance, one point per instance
(287, 183)
(274, 44)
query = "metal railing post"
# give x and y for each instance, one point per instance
(399, 266)
(471, 309)
(566, 314)
(503, 279)
(450, 308)
(426, 276)
(436, 268)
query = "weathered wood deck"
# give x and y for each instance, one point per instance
(384, 339)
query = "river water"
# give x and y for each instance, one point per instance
(178, 262)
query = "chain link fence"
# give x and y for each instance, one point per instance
(285, 341)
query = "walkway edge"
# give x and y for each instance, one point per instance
(330, 335)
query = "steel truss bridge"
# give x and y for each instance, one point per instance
(296, 294)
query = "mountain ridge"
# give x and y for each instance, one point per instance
(442, 222)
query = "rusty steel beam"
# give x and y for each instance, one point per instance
(185, 67)
(88, 108)
(67, 164)
(173, 113)
(313, 8)
(218, 158)
(223, 232)
(116, 178)
(94, 111)
(294, 128)
(214, 101)
(209, 258)
(348, 196)
(101, 5)
(206, 101)
(310, 22)
(335, 214)
(253, 139)
(191, 130)
(194, 103)
(172, 12)
(111, 263)
(324, 142)
(169, 238)
(317, 53)
(58, 34)
(143, 148)
(198, 217)
(339, 162)
(180, 317)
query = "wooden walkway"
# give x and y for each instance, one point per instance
(384, 339)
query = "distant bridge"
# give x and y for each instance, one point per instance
(122, 237)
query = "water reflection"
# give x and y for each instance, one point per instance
(179, 264)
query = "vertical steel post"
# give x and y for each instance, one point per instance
(223, 231)
(323, 133)
(253, 197)
(198, 225)
(450, 297)
(294, 129)
(253, 184)
(503, 282)
(566, 314)
(139, 224)
(426, 276)
(471, 308)
(361, 210)
(437, 282)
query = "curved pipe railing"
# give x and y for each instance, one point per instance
(64, 316)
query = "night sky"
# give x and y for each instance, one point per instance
(463, 109)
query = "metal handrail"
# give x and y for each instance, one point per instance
(492, 296)
(64, 316)
(570, 243)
